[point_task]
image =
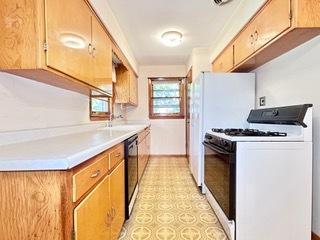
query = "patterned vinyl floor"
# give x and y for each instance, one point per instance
(169, 206)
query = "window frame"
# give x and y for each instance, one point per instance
(100, 116)
(181, 114)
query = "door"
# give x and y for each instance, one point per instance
(117, 190)
(68, 35)
(101, 58)
(92, 217)
(219, 177)
(244, 44)
(272, 21)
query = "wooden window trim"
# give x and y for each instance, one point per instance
(180, 115)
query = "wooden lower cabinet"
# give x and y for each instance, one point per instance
(144, 141)
(100, 215)
(92, 217)
(117, 192)
(37, 205)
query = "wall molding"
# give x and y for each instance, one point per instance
(314, 236)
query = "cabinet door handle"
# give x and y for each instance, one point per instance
(113, 210)
(94, 52)
(252, 39)
(256, 35)
(95, 174)
(108, 219)
(90, 48)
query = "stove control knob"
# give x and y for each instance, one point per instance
(275, 113)
(224, 143)
(209, 137)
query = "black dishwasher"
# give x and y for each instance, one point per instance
(131, 172)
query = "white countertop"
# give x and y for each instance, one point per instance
(63, 152)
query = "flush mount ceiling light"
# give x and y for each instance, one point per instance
(172, 38)
(221, 2)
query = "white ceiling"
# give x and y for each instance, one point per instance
(143, 22)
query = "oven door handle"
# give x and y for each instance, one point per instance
(217, 149)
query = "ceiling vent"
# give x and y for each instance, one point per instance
(221, 2)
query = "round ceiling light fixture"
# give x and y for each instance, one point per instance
(172, 38)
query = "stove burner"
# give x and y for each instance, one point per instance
(248, 132)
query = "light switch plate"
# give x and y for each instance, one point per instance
(262, 101)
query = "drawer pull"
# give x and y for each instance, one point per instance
(95, 174)
(118, 155)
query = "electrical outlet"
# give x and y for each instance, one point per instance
(262, 101)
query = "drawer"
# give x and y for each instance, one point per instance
(84, 179)
(116, 155)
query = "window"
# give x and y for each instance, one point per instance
(99, 107)
(166, 98)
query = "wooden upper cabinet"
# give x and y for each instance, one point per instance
(271, 22)
(101, 57)
(126, 87)
(133, 88)
(61, 43)
(68, 36)
(224, 62)
(244, 44)
(277, 27)
(117, 193)
(92, 217)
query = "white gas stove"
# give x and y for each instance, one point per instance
(259, 180)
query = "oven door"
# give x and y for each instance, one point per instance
(220, 177)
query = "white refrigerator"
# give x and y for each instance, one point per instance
(217, 100)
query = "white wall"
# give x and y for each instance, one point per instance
(27, 104)
(199, 61)
(167, 136)
(294, 78)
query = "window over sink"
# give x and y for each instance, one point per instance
(166, 98)
(100, 106)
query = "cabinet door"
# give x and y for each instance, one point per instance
(272, 21)
(140, 159)
(92, 217)
(224, 62)
(122, 86)
(148, 146)
(133, 88)
(101, 57)
(244, 44)
(68, 35)
(117, 191)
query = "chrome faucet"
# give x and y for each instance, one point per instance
(111, 118)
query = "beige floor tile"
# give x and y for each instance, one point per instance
(169, 206)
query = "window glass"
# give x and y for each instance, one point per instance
(166, 98)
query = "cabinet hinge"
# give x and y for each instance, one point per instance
(290, 15)
(45, 46)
